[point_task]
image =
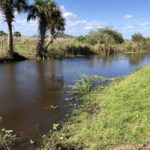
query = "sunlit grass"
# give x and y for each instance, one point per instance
(111, 117)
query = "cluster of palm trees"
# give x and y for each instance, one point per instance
(46, 12)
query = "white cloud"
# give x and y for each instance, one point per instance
(129, 27)
(94, 25)
(128, 30)
(144, 24)
(68, 15)
(76, 25)
(22, 21)
(128, 17)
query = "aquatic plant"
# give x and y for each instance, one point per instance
(82, 86)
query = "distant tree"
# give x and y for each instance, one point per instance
(81, 38)
(17, 34)
(8, 8)
(2, 33)
(137, 37)
(114, 34)
(104, 36)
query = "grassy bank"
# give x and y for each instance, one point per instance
(61, 48)
(72, 47)
(113, 117)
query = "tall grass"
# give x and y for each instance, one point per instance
(82, 86)
(69, 47)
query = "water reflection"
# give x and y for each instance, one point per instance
(27, 91)
(28, 88)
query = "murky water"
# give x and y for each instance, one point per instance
(29, 88)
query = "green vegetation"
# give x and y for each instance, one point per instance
(49, 19)
(2, 33)
(104, 36)
(116, 116)
(110, 117)
(68, 47)
(137, 37)
(8, 9)
(51, 25)
(81, 38)
(82, 86)
(71, 46)
(17, 34)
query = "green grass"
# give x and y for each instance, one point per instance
(61, 48)
(71, 47)
(113, 117)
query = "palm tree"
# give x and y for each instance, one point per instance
(49, 18)
(37, 11)
(8, 8)
(56, 24)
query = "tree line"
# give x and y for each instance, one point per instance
(46, 12)
(16, 34)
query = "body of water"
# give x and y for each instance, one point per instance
(28, 89)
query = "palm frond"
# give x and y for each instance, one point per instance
(21, 5)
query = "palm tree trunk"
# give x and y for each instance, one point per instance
(50, 40)
(10, 41)
(40, 46)
(40, 50)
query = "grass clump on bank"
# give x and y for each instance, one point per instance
(113, 117)
(7, 139)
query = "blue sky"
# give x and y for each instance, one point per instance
(126, 16)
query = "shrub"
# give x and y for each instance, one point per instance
(137, 37)
(116, 36)
(81, 38)
(104, 36)
(17, 34)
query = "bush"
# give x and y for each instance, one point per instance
(137, 37)
(17, 34)
(104, 36)
(81, 38)
(116, 36)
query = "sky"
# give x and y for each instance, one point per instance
(82, 16)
